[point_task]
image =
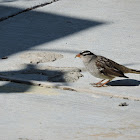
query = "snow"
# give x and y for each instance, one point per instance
(64, 28)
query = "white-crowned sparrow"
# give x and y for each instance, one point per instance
(103, 68)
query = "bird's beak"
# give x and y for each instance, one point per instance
(78, 55)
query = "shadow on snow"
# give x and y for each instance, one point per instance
(30, 29)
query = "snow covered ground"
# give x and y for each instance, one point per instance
(39, 42)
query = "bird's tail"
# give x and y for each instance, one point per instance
(134, 71)
(128, 70)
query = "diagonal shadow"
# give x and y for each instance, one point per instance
(33, 28)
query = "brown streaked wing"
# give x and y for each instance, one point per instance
(107, 67)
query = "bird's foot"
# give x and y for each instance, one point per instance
(100, 85)
(97, 85)
(93, 84)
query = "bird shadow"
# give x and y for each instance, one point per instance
(124, 82)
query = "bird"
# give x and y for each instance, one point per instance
(103, 68)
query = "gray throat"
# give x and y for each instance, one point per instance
(89, 60)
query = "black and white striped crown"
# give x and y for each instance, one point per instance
(84, 53)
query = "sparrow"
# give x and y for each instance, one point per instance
(103, 68)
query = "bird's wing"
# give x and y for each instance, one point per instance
(108, 67)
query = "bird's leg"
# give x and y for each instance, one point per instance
(98, 82)
(104, 83)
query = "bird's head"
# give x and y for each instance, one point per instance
(86, 55)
